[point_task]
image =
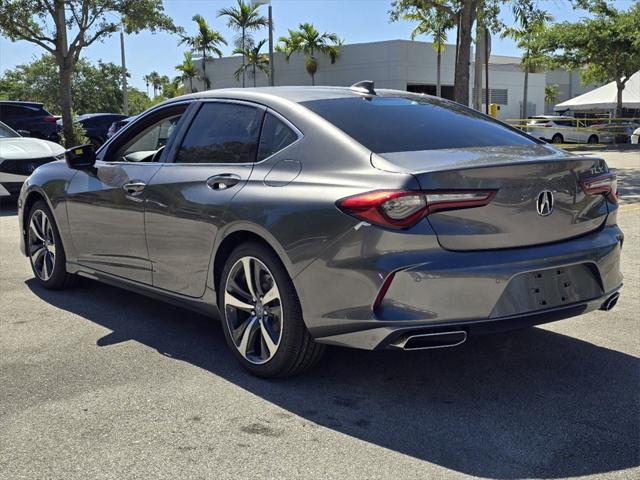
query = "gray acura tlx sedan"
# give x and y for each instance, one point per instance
(304, 216)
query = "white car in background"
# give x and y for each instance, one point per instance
(20, 156)
(635, 136)
(563, 129)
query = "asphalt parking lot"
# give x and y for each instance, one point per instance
(100, 383)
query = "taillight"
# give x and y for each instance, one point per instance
(403, 208)
(606, 184)
(50, 119)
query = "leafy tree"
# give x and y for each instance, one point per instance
(434, 22)
(254, 61)
(65, 27)
(463, 14)
(205, 42)
(173, 88)
(604, 48)
(187, 69)
(139, 101)
(309, 41)
(245, 17)
(532, 28)
(95, 88)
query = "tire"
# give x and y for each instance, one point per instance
(45, 249)
(557, 138)
(592, 139)
(269, 339)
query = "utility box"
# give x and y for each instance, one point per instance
(494, 108)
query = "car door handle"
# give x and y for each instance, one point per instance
(134, 187)
(222, 181)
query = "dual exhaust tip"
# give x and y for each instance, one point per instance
(424, 341)
(610, 302)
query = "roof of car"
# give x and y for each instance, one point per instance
(21, 103)
(292, 93)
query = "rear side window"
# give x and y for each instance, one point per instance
(412, 123)
(222, 133)
(275, 136)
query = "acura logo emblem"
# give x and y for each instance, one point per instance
(544, 203)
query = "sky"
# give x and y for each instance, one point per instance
(355, 21)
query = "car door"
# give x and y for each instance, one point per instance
(187, 199)
(106, 204)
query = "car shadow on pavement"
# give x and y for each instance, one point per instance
(528, 404)
(628, 185)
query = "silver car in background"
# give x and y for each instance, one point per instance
(563, 129)
(305, 216)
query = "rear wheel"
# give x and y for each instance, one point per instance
(557, 138)
(261, 314)
(45, 250)
(593, 139)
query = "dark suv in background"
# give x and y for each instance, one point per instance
(29, 118)
(96, 125)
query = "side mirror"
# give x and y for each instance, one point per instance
(80, 157)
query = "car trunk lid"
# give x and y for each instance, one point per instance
(521, 176)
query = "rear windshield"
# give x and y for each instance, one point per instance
(404, 124)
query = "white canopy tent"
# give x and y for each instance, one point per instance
(605, 97)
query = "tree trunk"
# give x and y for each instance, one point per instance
(204, 70)
(254, 76)
(190, 84)
(467, 18)
(620, 88)
(477, 68)
(65, 69)
(438, 68)
(243, 59)
(66, 106)
(313, 79)
(525, 93)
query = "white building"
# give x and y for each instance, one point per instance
(400, 64)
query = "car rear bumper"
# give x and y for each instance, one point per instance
(483, 290)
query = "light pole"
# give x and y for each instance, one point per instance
(271, 69)
(125, 100)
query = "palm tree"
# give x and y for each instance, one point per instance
(245, 18)
(532, 27)
(147, 81)
(551, 93)
(308, 41)
(205, 42)
(188, 69)
(153, 79)
(255, 61)
(434, 22)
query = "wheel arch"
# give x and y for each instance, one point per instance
(236, 236)
(32, 197)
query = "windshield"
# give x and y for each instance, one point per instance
(401, 124)
(6, 132)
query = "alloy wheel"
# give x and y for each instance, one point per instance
(253, 310)
(42, 245)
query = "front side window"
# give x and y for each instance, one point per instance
(148, 144)
(6, 132)
(275, 136)
(386, 124)
(222, 133)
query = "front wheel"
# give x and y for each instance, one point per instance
(261, 314)
(557, 138)
(45, 250)
(593, 139)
